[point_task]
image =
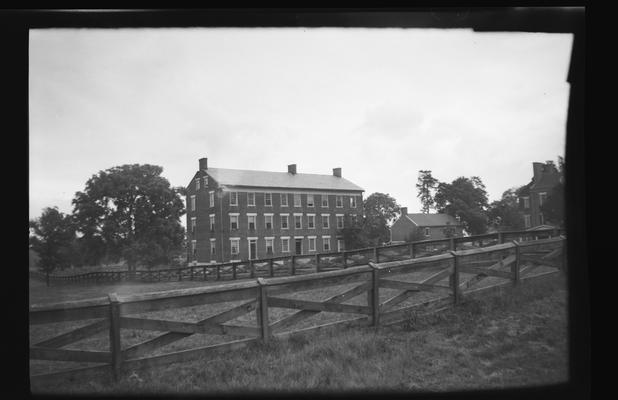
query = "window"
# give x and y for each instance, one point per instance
(298, 221)
(284, 221)
(340, 245)
(324, 200)
(268, 199)
(233, 198)
(235, 246)
(297, 202)
(251, 221)
(311, 221)
(251, 199)
(212, 222)
(268, 221)
(310, 202)
(339, 221)
(339, 201)
(193, 224)
(353, 201)
(269, 245)
(325, 223)
(285, 245)
(193, 203)
(326, 243)
(197, 183)
(193, 247)
(213, 248)
(541, 219)
(527, 221)
(311, 243)
(284, 199)
(542, 198)
(233, 221)
(211, 198)
(427, 231)
(353, 218)
(205, 181)
(526, 202)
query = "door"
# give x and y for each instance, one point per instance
(252, 249)
(299, 246)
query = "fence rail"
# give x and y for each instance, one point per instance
(452, 277)
(301, 264)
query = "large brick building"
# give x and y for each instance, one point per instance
(533, 195)
(245, 214)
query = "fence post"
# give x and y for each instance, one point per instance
(192, 268)
(455, 279)
(204, 273)
(376, 255)
(345, 260)
(47, 277)
(411, 250)
(500, 238)
(252, 268)
(317, 262)
(234, 271)
(293, 265)
(374, 295)
(114, 334)
(451, 244)
(218, 272)
(262, 310)
(270, 267)
(179, 275)
(515, 266)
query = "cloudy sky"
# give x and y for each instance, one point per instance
(381, 104)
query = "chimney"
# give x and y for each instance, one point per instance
(292, 169)
(404, 211)
(337, 172)
(537, 169)
(203, 163)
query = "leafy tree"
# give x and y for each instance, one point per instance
(130, 212)
(373, 228)
(504, 214)
(426, 186)
(553, 207)
(51, 237)
(465, 198)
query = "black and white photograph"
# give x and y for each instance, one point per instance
(301, 207)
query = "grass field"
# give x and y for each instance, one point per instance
(516, 337)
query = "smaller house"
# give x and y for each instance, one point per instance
(420, 226)
(534, 194)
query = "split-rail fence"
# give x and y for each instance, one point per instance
(300, 264)
(391, 292)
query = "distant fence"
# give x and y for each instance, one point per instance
(386, 285)
(301, 264)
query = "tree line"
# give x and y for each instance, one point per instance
(131, 213)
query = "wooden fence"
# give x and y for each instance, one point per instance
(302, 264)
(376, 294)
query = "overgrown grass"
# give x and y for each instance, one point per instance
(516, 337)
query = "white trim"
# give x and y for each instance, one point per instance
(297, 214)
(269, 237)
(233, 204)
(251, 205)
(310, 215)
(300, 200)
(284, 237)
(282, 214)
(213, 239)
(252, 238)
(340, 215)
(239, 260)
(193, 203)
(251, 214)
(234, 238)
(268, 214)
(312, 200)
(299, 237)
(233, 214)
(271, 199)
(325, 214)
(325, 236)
(211, 215)
(311, 237)
(339, 192)
(341, 206)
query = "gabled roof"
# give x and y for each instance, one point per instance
(546, 181)
(265, 179)
(433, 219)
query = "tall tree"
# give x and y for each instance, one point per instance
(51, 237)
(553, 207)
(426, 186)
(504, 214)
(465, 198)
(132, 212)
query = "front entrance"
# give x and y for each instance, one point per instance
(252, 249)
(299, 246)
